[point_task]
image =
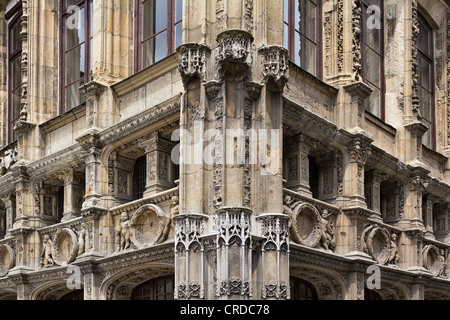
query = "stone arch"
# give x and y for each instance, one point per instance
(329, 285)
(120, 285)
(52, 290)
(390, 290)
(433, 11)
(434, 294)
(8, 294)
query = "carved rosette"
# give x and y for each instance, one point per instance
(234, 57)
(192, 61)
(306, 227)
(147, 226)
(7, 259)
(65, 245)
(275, 66)
(376, 242)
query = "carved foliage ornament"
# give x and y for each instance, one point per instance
(234, 56)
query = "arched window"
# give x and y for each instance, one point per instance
(302, 290)
(155, 289)
(158, 30)
(75, 295)
(425, 69)
(371, 295)
(372, 53)
(303, 34)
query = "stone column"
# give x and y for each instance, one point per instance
(72, 188)
(418, 291)
(92, 91)
(10, 208)
(413, 202)
(23, 197)
(234, 254)
(372, 185)
(274, 259)
(356, 286)
(354, 175)
(427, 214)
(297, 165)
(159, 164)
(190, 277)
(91, 281)
(92, 155)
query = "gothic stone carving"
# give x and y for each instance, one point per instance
(192, 61)
(234, 58)
(7, 259)
(65, 246)
(147, 226)
(9, 158)
(275, 66)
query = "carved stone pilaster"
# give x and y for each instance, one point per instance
(356, 40)
(234, 57)
(92, 91)
(192, 61)
(234, 253)
(414, 61)
(274, 256)
(275, 66)
(189, 256)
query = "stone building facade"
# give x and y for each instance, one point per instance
(223, 149)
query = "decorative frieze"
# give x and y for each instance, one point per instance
(356, 40)
(414, 60)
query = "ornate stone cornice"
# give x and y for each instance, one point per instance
(141, 121)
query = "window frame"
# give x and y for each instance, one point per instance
(153, 287)
(170, 29)
(292, 29)
(63, 51)
(16, 16)
(429, 58)
(296, 283)
(364, 6)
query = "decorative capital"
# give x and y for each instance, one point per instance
(360, 151)
(234, 57)
(275, 60)
(418, 184)
(92, 89)
(192, 61)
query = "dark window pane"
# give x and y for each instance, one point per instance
(308, 19)
(161, 46)
(16, 97)
(424, 71)
(308, 55)
(16, 75)
(154, 17)
(68, 3)
(372, 63)
(425, 103)
(372, 38)
(75, 34)
(16, 43)
(75, 64)
(372, 104)
(73, 95)
(423, 41)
